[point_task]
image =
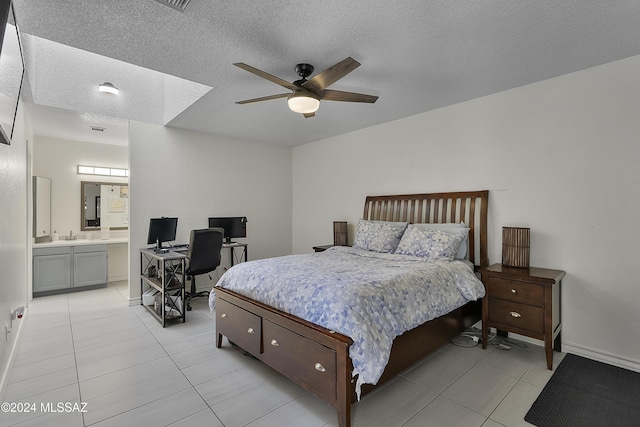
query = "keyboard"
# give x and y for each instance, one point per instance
(171, 248)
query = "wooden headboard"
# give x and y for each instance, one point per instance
(468, 206)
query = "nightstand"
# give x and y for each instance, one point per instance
(525, 301)
(322, 248)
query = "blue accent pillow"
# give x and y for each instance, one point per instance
(429, 243)
(451, 227)
(378, 236)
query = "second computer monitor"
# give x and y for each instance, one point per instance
(234, 226)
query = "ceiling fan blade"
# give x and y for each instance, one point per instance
(264, 98)
(260, 73)
(338, 95)
(331, 75)
(307, 115)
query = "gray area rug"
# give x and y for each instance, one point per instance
(584, 392)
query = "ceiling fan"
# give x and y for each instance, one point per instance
(306, 94)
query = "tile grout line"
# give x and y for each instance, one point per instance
(73, 346)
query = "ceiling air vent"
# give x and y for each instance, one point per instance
(179, 5)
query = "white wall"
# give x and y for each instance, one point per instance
(117, 262)
(14, 236)
(194, 176)
(559, 156)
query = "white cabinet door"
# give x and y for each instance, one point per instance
(51, 272)
(90, 268)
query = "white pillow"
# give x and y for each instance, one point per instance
(451, 227)
(378, 236)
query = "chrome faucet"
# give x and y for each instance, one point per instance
(70, 236)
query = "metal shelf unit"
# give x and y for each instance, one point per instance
(164, 273)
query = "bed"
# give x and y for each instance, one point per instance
(322, 352)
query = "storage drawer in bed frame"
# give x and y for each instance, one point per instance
(305, 361)
(244, 326)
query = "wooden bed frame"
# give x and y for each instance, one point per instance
(317, 358)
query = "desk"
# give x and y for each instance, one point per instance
(232, 248)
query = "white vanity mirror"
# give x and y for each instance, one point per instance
(104, 205)
(41, 207)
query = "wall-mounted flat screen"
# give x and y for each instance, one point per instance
(11, 71)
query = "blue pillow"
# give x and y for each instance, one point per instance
(451, 227)
(429, 243)
(378, 236)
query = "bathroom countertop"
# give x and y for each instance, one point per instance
(81, 242)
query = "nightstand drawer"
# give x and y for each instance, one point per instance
(515, 291)
(521, 316)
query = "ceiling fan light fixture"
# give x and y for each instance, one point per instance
(108, 88)
(303, 103)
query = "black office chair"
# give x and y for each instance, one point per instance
(204, 257)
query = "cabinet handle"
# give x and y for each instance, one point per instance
(319, 367)
(513, 291)
(274, 343)
(515, 314)
(223, 315)
(251, 331)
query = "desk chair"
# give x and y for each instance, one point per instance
(204, 257)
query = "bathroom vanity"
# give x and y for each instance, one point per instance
(70, 265)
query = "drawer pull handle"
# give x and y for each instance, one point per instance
(515, 314)
(275, 343)
(223, 315)
(513, 291)
(251, 331)
(319, 367)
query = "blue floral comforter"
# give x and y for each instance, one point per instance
(371, 297)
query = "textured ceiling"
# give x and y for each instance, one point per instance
(66, 77)
(416, 55)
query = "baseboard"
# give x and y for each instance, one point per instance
(528, 340)
(117, 278)
(12, 354)
(589, 353)
(135, 301)
(601, 356)
(515, 336)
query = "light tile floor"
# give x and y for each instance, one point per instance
(91, 347)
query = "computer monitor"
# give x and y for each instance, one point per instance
(234, 226)
(162, 230)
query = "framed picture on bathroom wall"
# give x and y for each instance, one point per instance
(116, 205)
